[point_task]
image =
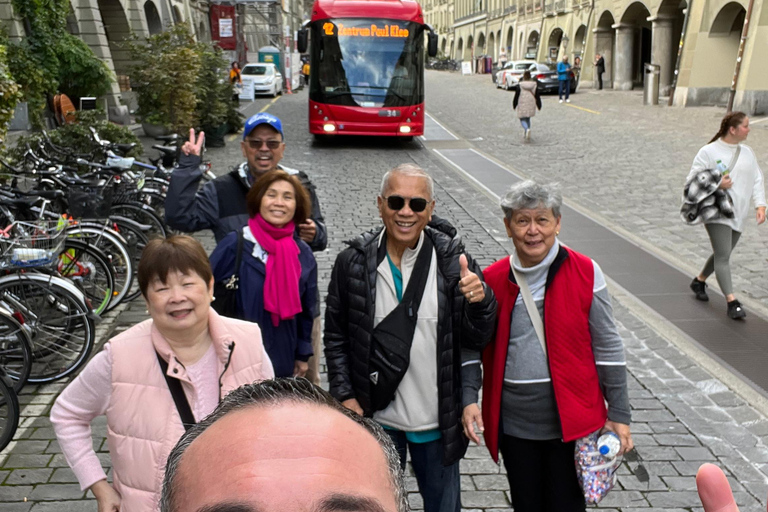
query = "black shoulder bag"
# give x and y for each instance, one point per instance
(179, 398)
(225, 291)
(392, 338)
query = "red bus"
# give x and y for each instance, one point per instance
(366, 67)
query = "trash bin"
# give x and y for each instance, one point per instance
(651, 84)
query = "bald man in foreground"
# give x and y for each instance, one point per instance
(279, 446)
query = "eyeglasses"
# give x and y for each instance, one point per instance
(397, 203)
(257, 144)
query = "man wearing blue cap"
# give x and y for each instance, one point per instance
(220, 204)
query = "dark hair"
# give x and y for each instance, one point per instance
(259, 189)
(731, 120)
(526, 75)
(176, 253)
(269, 393)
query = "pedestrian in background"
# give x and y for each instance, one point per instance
(220, 205)
(564, 79)
(305, 72)
(542, 392)
(403, 301)
(526, 101)
(277, 274)
(236, 79)
(743, 181)
(185, 348)
(599, 70)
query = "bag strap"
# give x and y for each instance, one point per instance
(734, 159)
(179, 398)
(418, 281)
(530, 305)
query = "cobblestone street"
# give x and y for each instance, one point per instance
(625, 166)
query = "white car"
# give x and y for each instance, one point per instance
(266, 78)
(508, 77)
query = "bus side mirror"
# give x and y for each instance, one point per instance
(432, 44)
(301, 40)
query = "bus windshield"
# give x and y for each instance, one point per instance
(367, 62)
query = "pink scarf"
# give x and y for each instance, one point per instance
(281, 285)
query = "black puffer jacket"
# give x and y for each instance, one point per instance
(349, 315)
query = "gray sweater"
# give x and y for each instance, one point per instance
(529, 410)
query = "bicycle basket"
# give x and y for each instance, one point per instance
(32, 244)
(126, 192)
(90, 201)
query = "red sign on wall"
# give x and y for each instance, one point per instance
(223, 26)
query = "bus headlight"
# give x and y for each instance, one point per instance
(405, 129)
(329, 127)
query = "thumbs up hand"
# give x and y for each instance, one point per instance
(469, 284)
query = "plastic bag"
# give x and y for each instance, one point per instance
(596, 474)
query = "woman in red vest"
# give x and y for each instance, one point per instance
(540, 395)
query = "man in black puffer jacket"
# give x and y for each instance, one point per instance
(457, 310)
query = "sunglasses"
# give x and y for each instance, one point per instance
(257, 144)
(397, 203)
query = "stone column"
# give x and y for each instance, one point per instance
(92, 32)
(603, 46)
(662, 49)
(622, 63)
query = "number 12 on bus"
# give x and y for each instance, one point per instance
(366, 67)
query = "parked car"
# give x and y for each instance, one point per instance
(546, 78)
(511, 73)
(266, 78)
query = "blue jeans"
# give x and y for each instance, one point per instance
(526, 122)
(564, 85)
(439, 486)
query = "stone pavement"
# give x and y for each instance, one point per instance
(623, 162)
(682, 416)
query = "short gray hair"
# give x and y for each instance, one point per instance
(275, 392)
(529, 194)
(408, 170)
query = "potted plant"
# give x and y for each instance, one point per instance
(214, 94)
(164, 78)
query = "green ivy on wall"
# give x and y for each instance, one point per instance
(10, 94)
(51, 60)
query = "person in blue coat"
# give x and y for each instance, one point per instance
(278, 273)
(564, 79)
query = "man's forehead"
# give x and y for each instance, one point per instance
(261, 128)
(408, 182)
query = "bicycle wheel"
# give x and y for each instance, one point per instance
(115, 248)
(15, 350)
(89, 268)
(54, 314)
(9, 411)
(137, 241)
(143, 214)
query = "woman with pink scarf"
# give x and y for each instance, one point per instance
(278, 273)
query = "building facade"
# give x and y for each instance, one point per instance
(628, 34)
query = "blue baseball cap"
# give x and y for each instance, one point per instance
(260, 119)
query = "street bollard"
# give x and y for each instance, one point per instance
(651, 84)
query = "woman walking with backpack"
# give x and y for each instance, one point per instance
(743, 180)
(526, 101)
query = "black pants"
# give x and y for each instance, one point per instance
(542, 475)
(600, 80)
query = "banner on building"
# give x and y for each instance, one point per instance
(223, 26)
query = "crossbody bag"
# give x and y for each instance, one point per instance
(179, 398)
(392, 338)
(225, 291)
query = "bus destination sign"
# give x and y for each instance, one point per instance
(384, 31)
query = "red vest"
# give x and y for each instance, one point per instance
(567, 301)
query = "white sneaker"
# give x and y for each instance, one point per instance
(561, 101)
(528, 134)
(567, 101)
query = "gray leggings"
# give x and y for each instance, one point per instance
(723, 239)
